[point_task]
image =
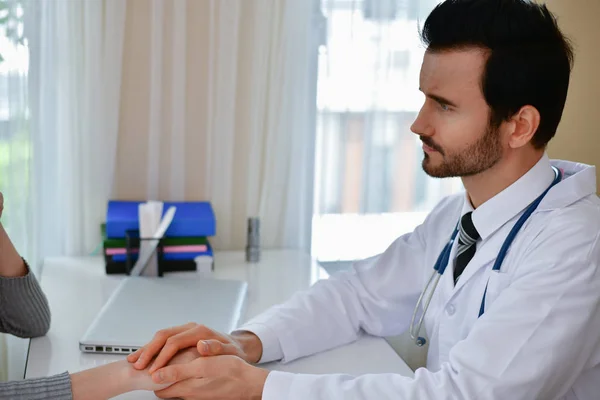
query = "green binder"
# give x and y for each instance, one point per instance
(178, 241)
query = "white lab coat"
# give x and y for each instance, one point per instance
(538, 339)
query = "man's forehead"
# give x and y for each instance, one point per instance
(453, 69)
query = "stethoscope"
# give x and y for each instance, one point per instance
(442, 263)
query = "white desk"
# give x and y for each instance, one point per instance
(78, 287)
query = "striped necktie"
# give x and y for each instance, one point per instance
(467, 244)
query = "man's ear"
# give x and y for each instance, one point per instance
(524, 124)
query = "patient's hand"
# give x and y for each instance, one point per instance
(142, 379)
(168, 342)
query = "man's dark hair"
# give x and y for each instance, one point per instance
(529, 63)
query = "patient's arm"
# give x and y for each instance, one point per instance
(24, 311)
(11, 264)
(97, 383)
(102, 382)
(119, 377)
(109, 380)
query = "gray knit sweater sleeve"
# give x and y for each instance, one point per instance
(57, 387)
(24, 310)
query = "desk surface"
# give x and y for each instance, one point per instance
(78, 287)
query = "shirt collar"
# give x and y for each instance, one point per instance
(500, 209)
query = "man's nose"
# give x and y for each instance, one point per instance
(421, 126)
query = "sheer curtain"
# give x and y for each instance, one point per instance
(370, 187)
(59, 107)
(75, 75)
(15, 150)
(216, 105)
(172, 100)
(156, 99)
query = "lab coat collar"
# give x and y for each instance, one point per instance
(494, 213)
(579, 181)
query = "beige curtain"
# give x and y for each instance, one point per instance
(216, 105)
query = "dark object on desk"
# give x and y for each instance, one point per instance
(167, 266)
(253, 241)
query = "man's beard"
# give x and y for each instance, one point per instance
(476, 158)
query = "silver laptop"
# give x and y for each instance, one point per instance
(141, 306)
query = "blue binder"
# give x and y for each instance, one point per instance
(193, 219)
(167, 256)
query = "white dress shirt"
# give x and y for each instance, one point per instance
(539, 337)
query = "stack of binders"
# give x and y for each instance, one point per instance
(186, 238)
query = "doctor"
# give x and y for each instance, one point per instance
(516, 312)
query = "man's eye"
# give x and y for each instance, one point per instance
(444, 107)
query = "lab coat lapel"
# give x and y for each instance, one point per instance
(565, 192)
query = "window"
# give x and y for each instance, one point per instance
(369, 184)
(15, 144)
(15, 156)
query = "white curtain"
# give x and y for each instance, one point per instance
(370, 187)
(15, 155)
(75, 75)
(217, 105)
(157, 99)
(59, 112)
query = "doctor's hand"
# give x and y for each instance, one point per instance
(168, 342)
(142, 380)
(220, 377)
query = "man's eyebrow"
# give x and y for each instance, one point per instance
(440, 99)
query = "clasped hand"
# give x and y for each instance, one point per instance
(220, 371)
